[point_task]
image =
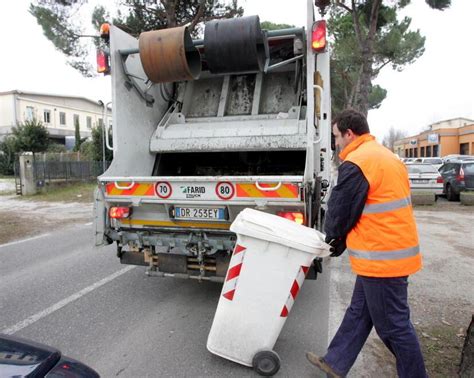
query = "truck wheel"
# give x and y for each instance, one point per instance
(266, 363)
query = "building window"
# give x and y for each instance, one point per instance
(428, 151)
(30, 113)
(89, 122)
(415, 152)
(47, 116)
(422, 151)
(62, 118)
(100, 122)
(435, 151)
(406, 153)
(464, 148)
(76, 120)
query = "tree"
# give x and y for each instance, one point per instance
(97, 145)
(7, 155)
(30, 136)
(368, 36)
(58, 20)
(77, 136)
(392, 136)
(268, 25)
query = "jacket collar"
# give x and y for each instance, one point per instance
(355, 144)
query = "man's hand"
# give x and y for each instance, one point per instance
(338, 246)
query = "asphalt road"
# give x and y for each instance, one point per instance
(59, 290)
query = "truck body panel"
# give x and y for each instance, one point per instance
(190, 155)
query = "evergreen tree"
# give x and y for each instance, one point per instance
(58, 18)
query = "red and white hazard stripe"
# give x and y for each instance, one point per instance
(233, 273)
(295, 288)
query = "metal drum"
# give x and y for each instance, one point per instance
(169, 55)
(235, 45)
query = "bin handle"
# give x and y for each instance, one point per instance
(124, 187)
(272, 189)
(261, 226)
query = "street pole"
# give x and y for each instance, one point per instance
(103, 134)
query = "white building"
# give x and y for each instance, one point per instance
(58, 113)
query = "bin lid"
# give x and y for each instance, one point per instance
(280, 230)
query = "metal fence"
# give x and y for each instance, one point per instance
(48, 171)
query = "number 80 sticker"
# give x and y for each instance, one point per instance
(225, 190)
(163, 189)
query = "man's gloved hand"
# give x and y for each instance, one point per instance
(338, 246)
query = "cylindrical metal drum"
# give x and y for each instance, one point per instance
(234, 45)
(169, 55)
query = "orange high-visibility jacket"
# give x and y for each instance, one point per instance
(384, 242)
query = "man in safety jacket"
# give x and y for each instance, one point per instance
(370, 214)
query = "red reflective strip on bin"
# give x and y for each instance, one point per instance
(235, 266)
(295, 288)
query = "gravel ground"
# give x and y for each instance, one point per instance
(441, 295)
(21, 219)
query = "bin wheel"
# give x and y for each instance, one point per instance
(266, 363)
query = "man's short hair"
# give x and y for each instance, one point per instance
(353, 120)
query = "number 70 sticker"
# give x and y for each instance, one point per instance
(225, 190)
(163, 189)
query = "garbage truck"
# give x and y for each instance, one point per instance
(204, 128)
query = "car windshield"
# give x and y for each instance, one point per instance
(468, 168)
(421, 168)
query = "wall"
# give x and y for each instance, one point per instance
(70, 106)
(7, 113)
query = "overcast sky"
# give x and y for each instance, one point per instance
(436, 87)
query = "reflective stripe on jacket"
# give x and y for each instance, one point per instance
(384, 243)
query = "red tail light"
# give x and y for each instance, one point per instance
(102, 62)
(119, 212)
(460, 176)
(293, 216)
(318, 40)
(439, 180)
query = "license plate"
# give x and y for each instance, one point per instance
(199, 213)
(420, 181)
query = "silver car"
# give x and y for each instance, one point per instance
(425, 178)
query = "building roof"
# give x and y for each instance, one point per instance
(451, 119)
(16, 91)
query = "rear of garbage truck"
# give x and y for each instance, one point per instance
(203, 129)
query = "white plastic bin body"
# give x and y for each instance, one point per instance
(266, 271)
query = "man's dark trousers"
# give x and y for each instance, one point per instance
(382, 303)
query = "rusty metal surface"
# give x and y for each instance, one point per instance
(169, 55)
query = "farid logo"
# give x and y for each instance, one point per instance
(193, 191)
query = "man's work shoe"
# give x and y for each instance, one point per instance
(321, 364)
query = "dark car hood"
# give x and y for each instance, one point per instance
(24, 358)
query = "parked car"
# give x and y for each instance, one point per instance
(457, 157)
(425, 177)
(435, 161)
(25, 358)
(458, 175)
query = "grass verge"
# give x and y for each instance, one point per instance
(77, 192)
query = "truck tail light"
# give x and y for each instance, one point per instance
(119, 212)
(460, 176)
(318, 40)
(439, 180)
(293, 216)
(102, 62)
